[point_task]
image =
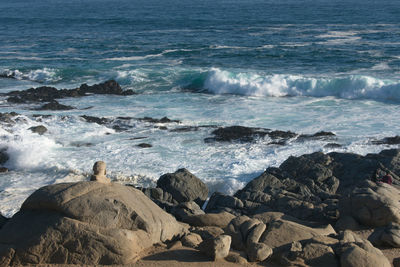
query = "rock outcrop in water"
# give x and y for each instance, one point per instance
(49, 94)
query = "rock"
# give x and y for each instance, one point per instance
(38, 129)
(234, 230)
(388, 236)
(54, 105)
(49, 94)
(333, 145)
(185, 209)
(258, 251)
(217, 248)
(144, 145)
(376, 205)
(219, 202)
(91, 119)
(315, 254)
(191, 240)
(3, 220)
(8, 118)
(184, 186)
(99, 173)
(236, 257)
(347, 223)
(162, 120)
(237, 133)
(221, 219)
(3, 156)
(246, 134)
(361, 255)
(3, 169)
(281, 232)
(85, 223)
(396, 262)
(207, 232)
(388, 141)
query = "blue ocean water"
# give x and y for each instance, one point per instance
(303, 66)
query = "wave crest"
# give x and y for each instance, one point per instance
(279, 85)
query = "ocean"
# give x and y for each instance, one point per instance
(301, 66)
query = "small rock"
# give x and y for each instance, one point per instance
(54, 105)
(236, 257)
(38, 129)
(258, 251)
(144, 145)
(3, 169)
(191, 240)
(92, 119)
(217, 248)
(3, 156)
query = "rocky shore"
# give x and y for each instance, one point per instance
(314, 210)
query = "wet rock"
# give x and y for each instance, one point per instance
(185, 129)
(217, 248)
(184, 186)
(237, 133)
(395, 140)
(54, 105)
(49, 94)
(3, 156)
(318, 135)
(79, 144)
(3, 169)
(8, 117)
(333, 145)
(92, 119)
(3, 220)
(38, 129)
(162, 120)
(144, 145)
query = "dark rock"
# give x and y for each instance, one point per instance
(333, 145)
(387, 236)
(38, 129)
(185, 129)
(144, 145)
(219, 202)
(3, 169)
(318, 135)
(49, 94)
(162, 120)
(185, 209)
(388, 141)
(184, 186)
(79, 144)
(237, 133)
(281, 134)
(54, 105)
(8, 118)
(138, 138)
(3, 156)
(162, 128)
(3, 220)
(119, 128)
(97, 120)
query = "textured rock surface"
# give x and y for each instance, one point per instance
(217, 248)
(184, 186)
(388, 236)
(85, 223)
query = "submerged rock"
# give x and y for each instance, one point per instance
(162, 120)
(54, 105)
(144, 145)
(388, 141)
(38, 129)
(237, 133)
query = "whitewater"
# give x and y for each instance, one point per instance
(301, 67)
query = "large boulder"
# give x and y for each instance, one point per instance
(85, 223)
(372, 205)
(184, 187)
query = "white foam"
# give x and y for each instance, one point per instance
(38, 75)
(253, 84)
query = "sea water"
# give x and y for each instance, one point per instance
(301, 66)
